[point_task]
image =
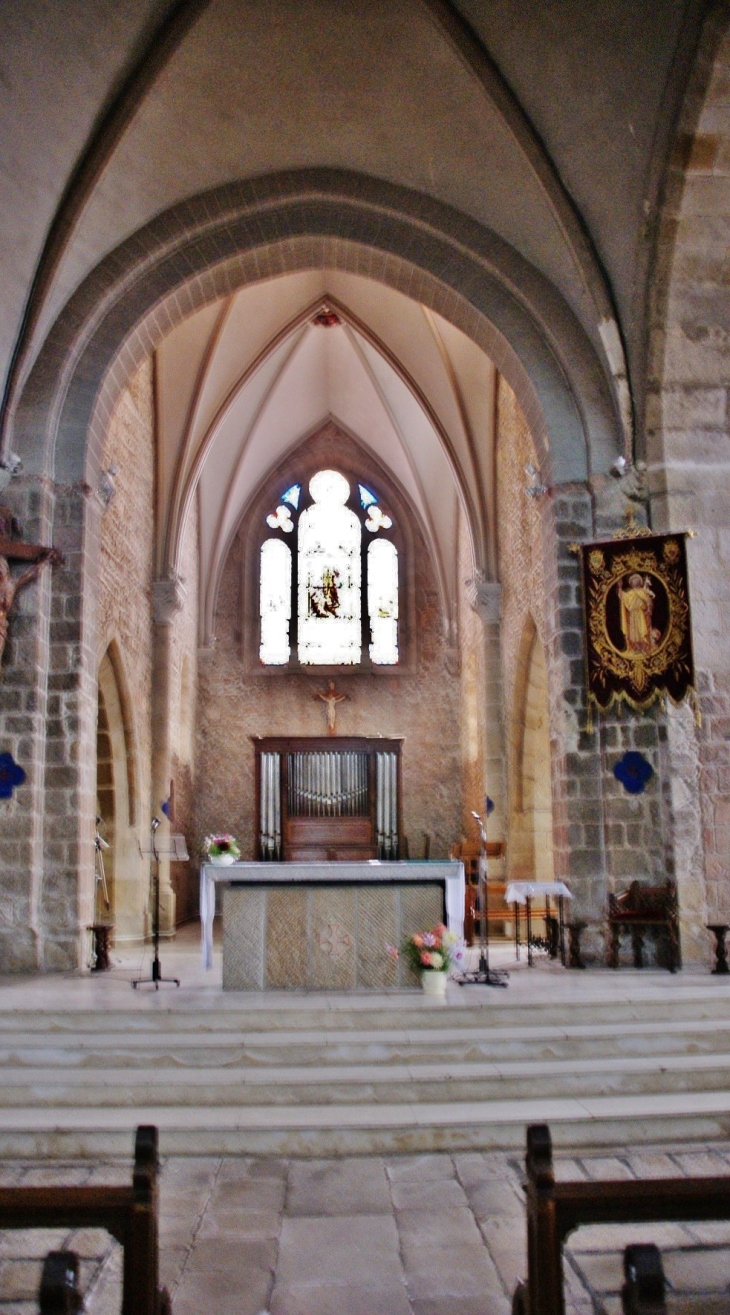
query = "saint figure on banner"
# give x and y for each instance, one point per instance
(637, 609)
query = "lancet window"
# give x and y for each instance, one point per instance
(328, 577)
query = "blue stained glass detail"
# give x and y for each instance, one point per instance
(367, 499)
(292, 496)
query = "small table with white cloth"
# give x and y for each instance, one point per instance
(521, 893)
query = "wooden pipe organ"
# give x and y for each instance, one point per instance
(327, 798)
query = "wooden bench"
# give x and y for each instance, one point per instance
(554, 1210)
(129, 1214)
(638, 908)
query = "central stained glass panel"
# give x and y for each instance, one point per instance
(329, 604)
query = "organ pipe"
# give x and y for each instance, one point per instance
(328, 783)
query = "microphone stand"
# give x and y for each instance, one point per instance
(483, 976)
(156, 977)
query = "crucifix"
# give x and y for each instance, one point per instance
(331, 698)
(15, 550)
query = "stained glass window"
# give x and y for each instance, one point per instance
(281, 520)
(329, 575)
(377, 520)
(275, 602)
(383, 601)
(312, 583)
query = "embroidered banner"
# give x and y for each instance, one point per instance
(638, 624)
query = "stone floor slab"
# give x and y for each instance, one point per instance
(354, 1250)
(334, 1187)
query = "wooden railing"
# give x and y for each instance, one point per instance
(554, 1210)
(129, 1214)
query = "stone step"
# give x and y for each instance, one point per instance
(61, 1087)
(344, 1075)
(310, 1049)
(324, 1130)
(276, 1013)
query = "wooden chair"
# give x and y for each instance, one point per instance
(128, 1213)
(641, 907)
(554, 1210)
(499, 912)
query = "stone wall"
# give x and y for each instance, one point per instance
(688, 453)
(423, 706)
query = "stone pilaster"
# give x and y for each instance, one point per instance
(485, 597)
(168, 596)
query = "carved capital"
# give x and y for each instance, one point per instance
(485, 598)
(168, 597)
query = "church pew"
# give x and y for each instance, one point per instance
(60, 1293)
(556, 1209)
(130, 1214)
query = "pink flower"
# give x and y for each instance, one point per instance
(426, 959)
(393, 951)
(417, 941)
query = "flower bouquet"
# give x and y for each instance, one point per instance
(222, 849)
(431, 954)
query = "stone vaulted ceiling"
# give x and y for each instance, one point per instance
(243, 381)
(546, 123)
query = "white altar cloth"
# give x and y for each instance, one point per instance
(450, 871)
(518, 892)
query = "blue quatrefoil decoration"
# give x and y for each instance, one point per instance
(633, 771)
(10, 775)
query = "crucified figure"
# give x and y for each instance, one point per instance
(331, 699)
(10, 586)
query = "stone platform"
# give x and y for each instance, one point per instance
(607, 1058)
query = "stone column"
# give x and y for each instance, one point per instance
(48, 722)
(604, 837)
(578, 820)
(168, 596)
(67, 897)
(23, 695)
(485, 597)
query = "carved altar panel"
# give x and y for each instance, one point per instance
(325, 798)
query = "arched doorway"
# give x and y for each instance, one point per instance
(531, 829)
(117, 804)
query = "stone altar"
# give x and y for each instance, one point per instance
(326, 926)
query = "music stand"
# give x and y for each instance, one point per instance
(175, 849)
(483, 975)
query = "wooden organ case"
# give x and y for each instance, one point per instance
(328, 798)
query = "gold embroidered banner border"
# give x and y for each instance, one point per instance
(637, 620)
